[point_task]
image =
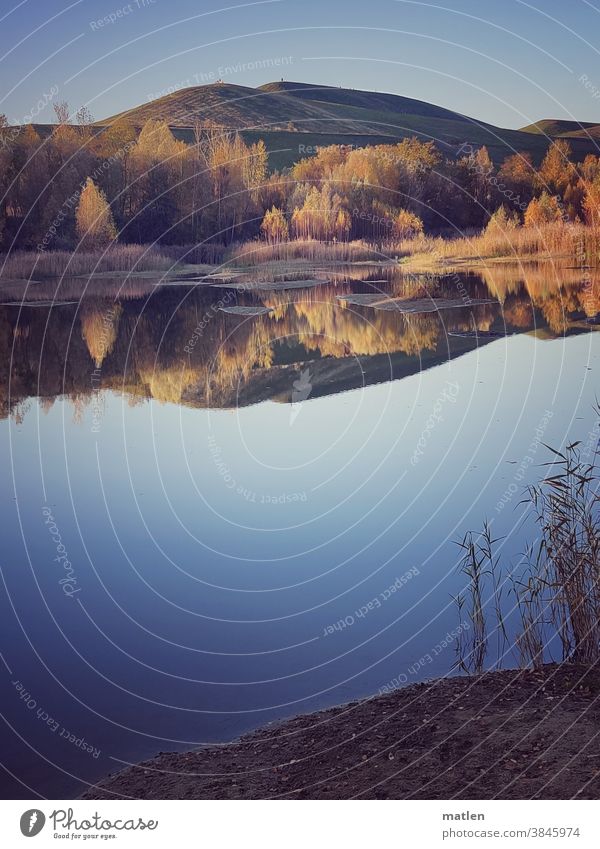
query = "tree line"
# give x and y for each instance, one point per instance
(85, 187)
(81, 187)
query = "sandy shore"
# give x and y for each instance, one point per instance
(509, 734)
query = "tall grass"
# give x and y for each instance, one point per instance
(576, 241)
(482, 571)
(567, 565)
(120, 258)
(209, 253)
(556, 596)
(559, 239)
(573, 240)
(256, 252)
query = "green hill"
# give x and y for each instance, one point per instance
(590, 132)
(371, 100)
(558, 128)
(294, 118)
(240, 107)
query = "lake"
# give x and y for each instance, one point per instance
(227, 502)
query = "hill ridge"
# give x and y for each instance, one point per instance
(294, 118)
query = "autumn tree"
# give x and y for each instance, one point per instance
(556, 169)
(317, 218)
(417, 163)
(502, 221)
(84, 121)
(156, 165)
(84, 117)
(343, 225)
(542, 210)
(590, 168)
(591, 202)
(94, 221)
(500, 230)
(274, 226)
(407, 225)
(517, 175)
(321, 165)
(573, 198)
(254, 167)
(6, 163)
(481, 170)
(30, 177)
(68, 164)
(112, 147)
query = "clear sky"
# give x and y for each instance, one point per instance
(508, 62)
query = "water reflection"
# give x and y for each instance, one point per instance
(215, 553)
(234, 343)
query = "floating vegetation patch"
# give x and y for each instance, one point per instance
(276, 286)
(410, 305)
(246, 310)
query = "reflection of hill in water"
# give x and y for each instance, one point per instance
(173, 344)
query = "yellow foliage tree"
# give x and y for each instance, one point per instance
(591, 202)
(94, 221)
(501, 222)
(255, 165)
(318, 217)
(556, 169)
(542, 210)
(407, 225)
(343, 225)
(274, 226)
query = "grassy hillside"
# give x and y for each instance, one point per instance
(557, 128)
(240, 107)
(591, 132)
(294, 117)
(362, 99)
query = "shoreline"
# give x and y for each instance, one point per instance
(73, 265)
(510, 734)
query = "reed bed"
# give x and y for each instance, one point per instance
(560, 239)
(311, 250)
(120, 258)
(210, 253)
(576, 241)
(566, 239)
(555, 594)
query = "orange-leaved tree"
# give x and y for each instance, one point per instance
(407, 225)
(94, 221)
(542, 210)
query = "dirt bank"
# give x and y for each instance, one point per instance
(510, 734)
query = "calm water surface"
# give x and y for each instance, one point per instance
(214, 520)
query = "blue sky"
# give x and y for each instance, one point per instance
(508, 63)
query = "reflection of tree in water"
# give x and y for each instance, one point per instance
(518, 314)
(137, 346)
(99, 325)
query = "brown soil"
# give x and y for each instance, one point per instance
(509, 734)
